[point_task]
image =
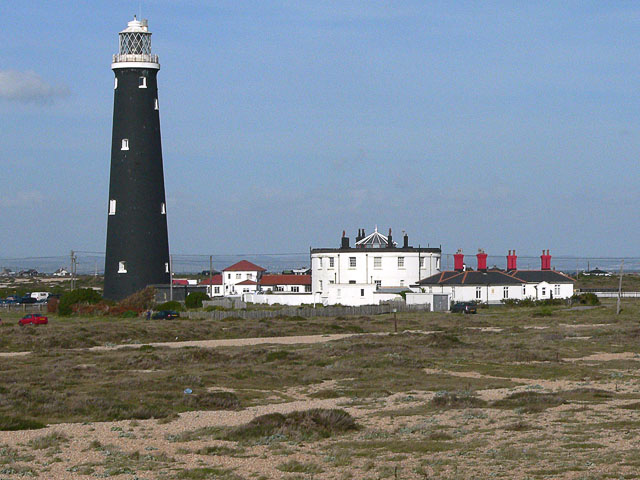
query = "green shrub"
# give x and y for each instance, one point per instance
(172, 305)
(74, 297)
(17, 423)
(195, 299)
(305, 425)
(129, 314)
(586, 299)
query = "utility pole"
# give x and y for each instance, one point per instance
(619, 289)
(171, 277)
(211, 274)
(72, 267)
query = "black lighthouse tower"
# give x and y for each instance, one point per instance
(137, 251)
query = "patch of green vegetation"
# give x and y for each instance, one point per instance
(52, 440)
(530, 402)
(464, 399)
(294, 466)
(17, 423)
(307, 425)
(205, 473)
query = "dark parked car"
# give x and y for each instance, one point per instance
(464, 307)
(166, 314)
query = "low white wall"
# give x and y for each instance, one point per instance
(281, 298)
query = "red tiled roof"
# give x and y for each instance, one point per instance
(215, 280)
(246, 282)
(244, 266)
(269, 280)
(180, 281)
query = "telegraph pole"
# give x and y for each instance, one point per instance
(211, 274)
(171, 277)
(619, 290)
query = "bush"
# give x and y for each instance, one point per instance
(139, 301)
(78, 296)
(307, 425)
(172, 305)
(586, 299)
(195, 299)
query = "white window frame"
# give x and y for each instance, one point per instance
(295, 288)
(142, 81)
(112, 207)
(556, 290)
(331, 262)
(400, 262)
(353, 262)
(122, 266)
(216, 289)
(238, 276)
(125, 144)
(377, 263)
(378, 284)
(505, 292)
(478, 293)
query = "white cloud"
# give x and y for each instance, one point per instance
(28, 87)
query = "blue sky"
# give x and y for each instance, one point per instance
(468, 124)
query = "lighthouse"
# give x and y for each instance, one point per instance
(137, 252)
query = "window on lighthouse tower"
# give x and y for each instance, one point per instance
(125, 144)
(142, 82)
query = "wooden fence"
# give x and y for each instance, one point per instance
(309, 312)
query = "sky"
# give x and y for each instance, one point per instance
(494, 125)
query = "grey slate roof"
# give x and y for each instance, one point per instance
(475, 277)
(537, 276)
(496, 277)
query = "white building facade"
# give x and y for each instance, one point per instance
(356, 275)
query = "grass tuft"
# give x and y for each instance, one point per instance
(456, 400)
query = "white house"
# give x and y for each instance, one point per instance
(214, 285)
(493, 286)
(352, 275)
(240, 272)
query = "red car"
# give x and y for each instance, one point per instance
(34, 319)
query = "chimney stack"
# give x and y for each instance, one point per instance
(345, 240)
(406, 241)
(482, 260)
(390, 240)
(458, 261)
(545, 261)
(512, 261)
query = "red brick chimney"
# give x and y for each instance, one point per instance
(545, 261)
(482, 260)
(458, 261)
(512, 261)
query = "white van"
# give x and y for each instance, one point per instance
(40, 296)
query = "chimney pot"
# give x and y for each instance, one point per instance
(458, 261)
